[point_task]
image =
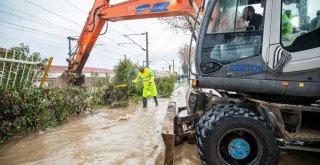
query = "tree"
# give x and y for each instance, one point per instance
(183, 23)
(185, 68)
(184, 57)
(125, 71)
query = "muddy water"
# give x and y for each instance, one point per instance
(114, 137)
(122, 136)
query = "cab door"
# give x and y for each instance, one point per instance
(294, 36)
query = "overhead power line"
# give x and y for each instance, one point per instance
(21, 29)
(36, 30)
(47, 34)
(84, 12)
(42, 20)
(53, 13)
(35, 21)
(37, 43)
(81, 10)
(50, 24)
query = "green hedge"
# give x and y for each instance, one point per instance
(25, 110)
(28, 110)
(165, 85)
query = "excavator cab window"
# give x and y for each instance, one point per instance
(300, 25)
(234, 32)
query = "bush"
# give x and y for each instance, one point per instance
(125, 72)
(24, 110)
(165, 85)
(28, 110)
(120, 97)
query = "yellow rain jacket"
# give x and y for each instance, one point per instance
(286, 24)
(149, 87)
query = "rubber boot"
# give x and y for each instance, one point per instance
(145, 102)
(156, 100)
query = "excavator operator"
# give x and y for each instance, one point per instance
(149, 88)
(255, 20)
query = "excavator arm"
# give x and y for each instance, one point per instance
(128, 10)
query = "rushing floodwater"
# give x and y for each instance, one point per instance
(113, 136)
(121, 136)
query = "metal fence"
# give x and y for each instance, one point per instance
(20, 69)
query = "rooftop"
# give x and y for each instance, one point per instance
(61, 69)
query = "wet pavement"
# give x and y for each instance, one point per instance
(114, 137)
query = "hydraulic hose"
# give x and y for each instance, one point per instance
(105, 30)
(93, 19)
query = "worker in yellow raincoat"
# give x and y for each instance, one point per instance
(149, 87)
(286, 23)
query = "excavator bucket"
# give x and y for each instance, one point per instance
(168, 134)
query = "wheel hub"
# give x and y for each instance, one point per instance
(239, 148)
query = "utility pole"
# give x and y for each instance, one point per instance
(173, 65)
(145, 62)
(147, 50)
(135, 43)
(71, 54)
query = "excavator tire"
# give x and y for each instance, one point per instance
(228, 134)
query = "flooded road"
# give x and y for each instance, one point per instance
(114, 137)
(117, 136)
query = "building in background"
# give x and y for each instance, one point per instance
(98, 73)
(3, 50)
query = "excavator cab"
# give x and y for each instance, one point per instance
(260, 62)
(276, 41)
(227, 37)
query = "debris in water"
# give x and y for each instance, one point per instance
(126, 117)
(155, 146)
(108, 126)
(41, 132)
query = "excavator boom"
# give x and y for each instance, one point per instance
(128, 10)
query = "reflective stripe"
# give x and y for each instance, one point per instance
(146, 79)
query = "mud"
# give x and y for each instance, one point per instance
(114, 137)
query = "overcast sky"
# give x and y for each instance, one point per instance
(18, 15)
